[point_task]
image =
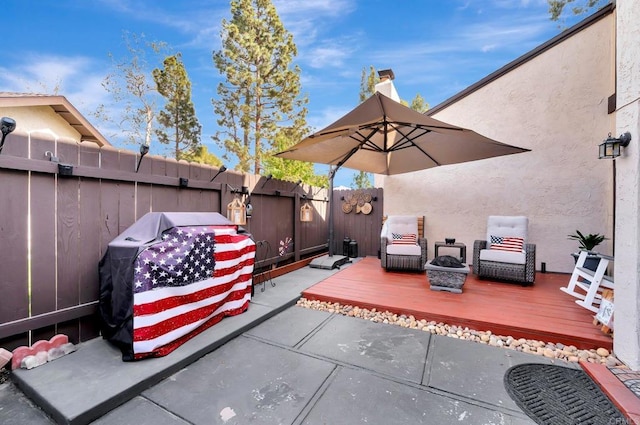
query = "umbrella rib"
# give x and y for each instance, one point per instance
(366, 142)
(407, 142)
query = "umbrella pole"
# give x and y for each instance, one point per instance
(332, 173)
(330, 261)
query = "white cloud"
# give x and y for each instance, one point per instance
(322, 57)
(321, 118)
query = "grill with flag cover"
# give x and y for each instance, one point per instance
(159, 291)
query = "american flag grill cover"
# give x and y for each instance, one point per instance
(175, 285)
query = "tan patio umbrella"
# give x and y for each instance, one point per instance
(383, 136)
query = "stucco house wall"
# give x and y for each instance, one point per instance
(51, 116)
(626, 343)
(40, 119)
(554, 104)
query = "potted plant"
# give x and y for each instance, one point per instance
(587, 243)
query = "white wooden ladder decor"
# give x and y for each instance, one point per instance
(587, 285)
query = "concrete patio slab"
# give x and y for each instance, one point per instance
(16, 409)
(475, 371)
(382, 348)
(245, 381)
(357, 397)
(291, 326)
(140, 411)
(96, 371)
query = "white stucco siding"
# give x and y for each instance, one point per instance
(555, 105)
(626, 342)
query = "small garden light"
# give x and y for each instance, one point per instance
(144, 149)
(220, 171)
(7, 125)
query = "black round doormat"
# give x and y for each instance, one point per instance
(551, 394)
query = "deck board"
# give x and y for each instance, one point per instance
(540, 312)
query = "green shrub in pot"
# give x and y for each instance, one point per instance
(587, 242)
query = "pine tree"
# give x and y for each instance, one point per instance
(418, 104)
(580, 7)
(368, 83)
(261, 91)
(201, 155)
(181, 126)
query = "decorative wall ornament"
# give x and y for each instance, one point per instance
(236, 211)
(359, 201)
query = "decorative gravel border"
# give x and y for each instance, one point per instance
(550, 350)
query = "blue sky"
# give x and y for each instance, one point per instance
(435, 47)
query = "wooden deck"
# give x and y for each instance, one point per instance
(540, 312)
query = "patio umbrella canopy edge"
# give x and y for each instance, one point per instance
(385, 137)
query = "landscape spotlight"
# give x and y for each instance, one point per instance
(220, 171)
(144, 149)
(7, 125)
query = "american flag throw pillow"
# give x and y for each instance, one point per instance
(507, 243)
(404, 239)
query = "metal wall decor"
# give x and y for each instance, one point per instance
(360, 202)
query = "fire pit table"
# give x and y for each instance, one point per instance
(449, 279)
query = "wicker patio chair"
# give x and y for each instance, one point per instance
(402, 246)
(505, 253)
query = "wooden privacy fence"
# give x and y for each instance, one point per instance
(358, 216)
(55, 228)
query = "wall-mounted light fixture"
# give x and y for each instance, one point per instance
(237, 212)
(269, 177)
(249, 207)
(7, 125)
(306, 212)
(65, 169)
(610, 148)
(244, 190)
(183, 182)
(220, 171)
(144, 149)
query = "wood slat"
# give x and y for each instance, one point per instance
(540, 312)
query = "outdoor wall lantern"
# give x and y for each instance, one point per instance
(144, 149)
(610, 148)
(220, 171)
(306, 212)
(249, 207)
(237, 212)
(7, 125)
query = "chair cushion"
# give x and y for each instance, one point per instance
(406, 249)
(402, 224)
(509, 226)
(502, 256)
